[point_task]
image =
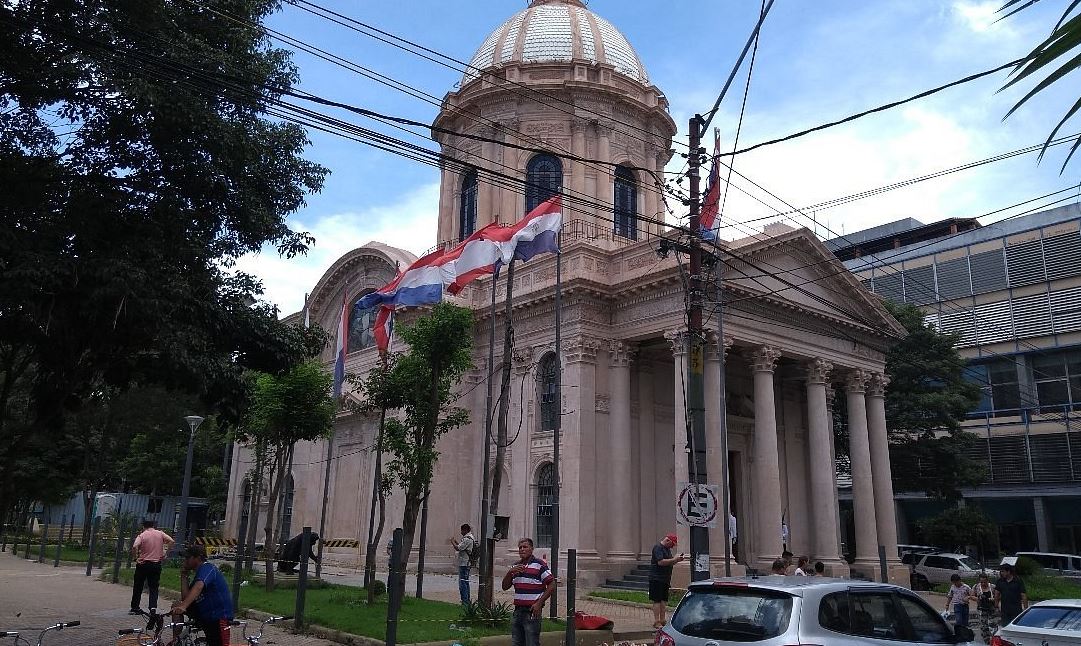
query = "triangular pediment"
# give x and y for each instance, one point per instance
(795, 270)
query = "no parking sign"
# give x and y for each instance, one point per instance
(696, 505)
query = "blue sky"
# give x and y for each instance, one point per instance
(818, 60)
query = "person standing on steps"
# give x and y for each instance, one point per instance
(464, 550)
(533, 583)
(148, 549)
(660, 576)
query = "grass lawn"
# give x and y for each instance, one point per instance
(344, 608)
(67, 553)
(636, 596)
(1039, 587)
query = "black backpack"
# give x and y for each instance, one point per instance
(474, 553)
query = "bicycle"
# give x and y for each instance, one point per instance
(255, 639)
(190, 633)
(22, 640)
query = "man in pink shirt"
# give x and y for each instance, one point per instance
(149, 549)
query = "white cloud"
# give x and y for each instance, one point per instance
(408, 223)
(981, 17)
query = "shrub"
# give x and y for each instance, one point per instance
(496, 615)
(379, 587)
(225, 568)
(1026, 567)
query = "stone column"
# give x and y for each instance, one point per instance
(605, 187)
(885, 507)
(678, 339)
(578, 513)
(511, 206)
(823, 480)
(859, 453)
(714, 457)
(621, 500)
(767, 484)
(448, 222)
(653, 474)
(578, 169)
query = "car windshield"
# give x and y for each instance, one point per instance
(969, 563)
(733, 614)
(1053, 617)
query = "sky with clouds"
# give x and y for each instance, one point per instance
(818, 60)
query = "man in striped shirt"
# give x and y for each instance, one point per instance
(533, 583)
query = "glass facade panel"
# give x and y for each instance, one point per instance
(361, 328)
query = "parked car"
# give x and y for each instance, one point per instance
(1048, 623)
(910, 554)
(789, 610)
(1067, 564)
(938, 568)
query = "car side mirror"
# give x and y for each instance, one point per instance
(963, 634)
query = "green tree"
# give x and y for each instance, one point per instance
(927, 399)
(958, 527)
(131, 185)
(294, 407)
(421, 383)
(1057, 49)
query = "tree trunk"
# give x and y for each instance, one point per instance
(504, 398)
(270, 542)
(257, 493)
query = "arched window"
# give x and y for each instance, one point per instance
(361, 328)
(548, 391)
(626, 208)
(546, 480)
(544, 178)
(467, 210)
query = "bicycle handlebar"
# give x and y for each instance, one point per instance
(9, 633)
(70, 624)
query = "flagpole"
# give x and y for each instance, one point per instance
(557, 425)
(330, 449)
(484, 592)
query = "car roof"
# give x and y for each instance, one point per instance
(1074, 556)
(950, 555)
(795, 585)
(1061, 603)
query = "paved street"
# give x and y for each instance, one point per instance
(33, 596)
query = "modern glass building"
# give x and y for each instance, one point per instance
(1012, 291)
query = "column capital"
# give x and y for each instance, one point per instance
(678, 339)
(582, 350)
(817, 370)
(523, 359)
(579, 125)
(877, 385)
(714, 348)
(765, 358)
(856, 380)
(621, 352)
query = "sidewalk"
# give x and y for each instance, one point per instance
(33, 596)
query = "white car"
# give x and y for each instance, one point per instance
(938, 568)
(1047, 623)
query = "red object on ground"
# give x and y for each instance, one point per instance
(582, 621)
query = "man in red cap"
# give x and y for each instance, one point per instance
(660, 576)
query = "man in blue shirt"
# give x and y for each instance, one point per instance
(205, 598)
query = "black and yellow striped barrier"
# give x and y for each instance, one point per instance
(342, 542)
(215, 542)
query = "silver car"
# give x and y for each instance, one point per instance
(1047, 623)
(804, 611)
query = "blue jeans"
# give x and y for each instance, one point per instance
(463, 582)
(524, 629)
(960, 614)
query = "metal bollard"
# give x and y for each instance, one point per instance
(882, 564)
(572, 562)
(302, 580)
(134, 533)
(59, 543)
(29, 544)
(238, 564)
(93, 545)
(393, 585)
(44, 537)
(3, 538)
(117, 553)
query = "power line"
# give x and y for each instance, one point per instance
(753, 38)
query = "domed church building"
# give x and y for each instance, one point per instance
(565, 105)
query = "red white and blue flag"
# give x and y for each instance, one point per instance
(712, 203)
(482, 253)
(341, 347)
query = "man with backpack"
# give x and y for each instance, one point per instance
(468, 551)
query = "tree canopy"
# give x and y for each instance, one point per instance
(132, 183)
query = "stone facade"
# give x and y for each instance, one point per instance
(623, 352)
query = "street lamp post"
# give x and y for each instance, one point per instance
(193, 422)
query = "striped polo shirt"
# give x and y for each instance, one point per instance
(530, 584)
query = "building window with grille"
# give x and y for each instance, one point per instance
(361, 327)
(1000, 389)
(467, 209)
(546, 480)
(548, 391)
(287, 511)
(1057, 376)
(625, 222)
(544, 179)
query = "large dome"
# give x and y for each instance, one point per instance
(557, 31)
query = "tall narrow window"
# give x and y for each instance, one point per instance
(547, 391)
(245, 506)
(361, 327)
(544, 178)
(467, 211)
(626, 207)
(287, 511)
(546, 479)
